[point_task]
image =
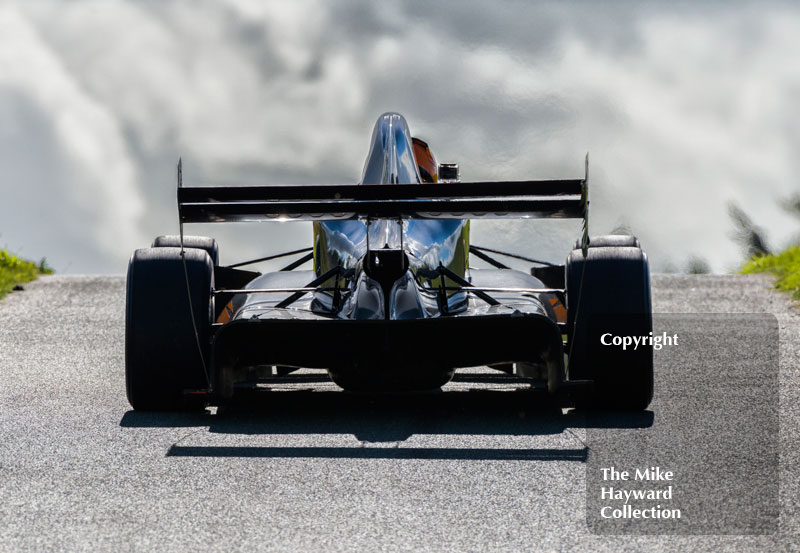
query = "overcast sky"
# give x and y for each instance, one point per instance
(683, 109)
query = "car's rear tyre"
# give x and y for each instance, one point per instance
(198, 242)
(162, 358)
(608, 295)
(610, 240)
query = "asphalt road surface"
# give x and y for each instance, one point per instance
(477, 467)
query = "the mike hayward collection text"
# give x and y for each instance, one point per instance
(661, 495)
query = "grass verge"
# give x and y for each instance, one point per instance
(14, 270)
(784, 265)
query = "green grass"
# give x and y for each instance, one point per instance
(784, 265)
(14, 270)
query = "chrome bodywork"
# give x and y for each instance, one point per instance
(391, 154)
(426, 243)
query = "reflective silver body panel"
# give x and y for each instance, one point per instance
(427, 243)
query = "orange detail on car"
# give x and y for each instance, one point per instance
(558, 309)
(226, 314)
(428, 169)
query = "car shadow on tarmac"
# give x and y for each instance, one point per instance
(382, 422)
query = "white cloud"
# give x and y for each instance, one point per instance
(683, 108)
(94, 163)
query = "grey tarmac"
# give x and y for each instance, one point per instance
(477, 467)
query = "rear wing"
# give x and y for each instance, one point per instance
(564, 199)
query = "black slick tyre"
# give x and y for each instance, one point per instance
(608, 296)
(198, 242)
(162, 358)
(610, 240)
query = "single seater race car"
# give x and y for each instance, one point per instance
(391, 303)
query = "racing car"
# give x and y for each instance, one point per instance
(391, 303)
